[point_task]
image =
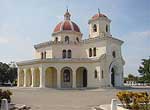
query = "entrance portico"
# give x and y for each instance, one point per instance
(56, 76)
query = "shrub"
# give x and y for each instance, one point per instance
(125, 98)
(134, 100)
(6, 94)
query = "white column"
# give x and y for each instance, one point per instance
(113, 104)
(58, 78)
(18, 81)
(33, 77)
(25, 77)
(42, 77)
(74, 78)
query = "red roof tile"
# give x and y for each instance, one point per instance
(98, 16)
(66, 25)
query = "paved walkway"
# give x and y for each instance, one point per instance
(51, 99)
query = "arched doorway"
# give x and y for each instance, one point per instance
(113, 77)
(116, 73)
(21, 78)
(66, 77)
(51, 77)
(36, 77)
(28, 78)
(81, 77)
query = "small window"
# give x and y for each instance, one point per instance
(90, 52)
(114, 54)
(67, 39)
(56, 39)
(42, 55)
(64, 54)
(107, 28)
(94, 51)
(77, 39)
(45, 55)
(95, 73)
(94, 28)
(102, 75)
(69, 54)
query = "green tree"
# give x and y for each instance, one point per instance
(12, 74)
(144, 70)
(131, 77)
(7, 73)
(3, 72)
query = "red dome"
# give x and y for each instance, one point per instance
(98, 15)
(66, 25)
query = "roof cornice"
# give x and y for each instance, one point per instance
(66, 32)
(85, 41)
(60, 60)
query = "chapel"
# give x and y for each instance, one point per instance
(70, 61)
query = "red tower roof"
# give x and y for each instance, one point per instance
(98, 15)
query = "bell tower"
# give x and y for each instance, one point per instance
(99, 25)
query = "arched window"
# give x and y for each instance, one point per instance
(66, 75)
(94, 28)
(95, 73)
(45, 55)
(67, 39)
(94, 51)
(77, 39)
(69, 54)
(90, 52)
(102, 74)
(42, 55)
(114, 54)
(64, 54)
(107, 28)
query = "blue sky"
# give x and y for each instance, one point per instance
(24, 23)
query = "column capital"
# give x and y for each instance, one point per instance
(32, 69)
(58, 68)
(24, 70)
(18, 69)
(74, 70)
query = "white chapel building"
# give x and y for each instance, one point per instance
(69, 61)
